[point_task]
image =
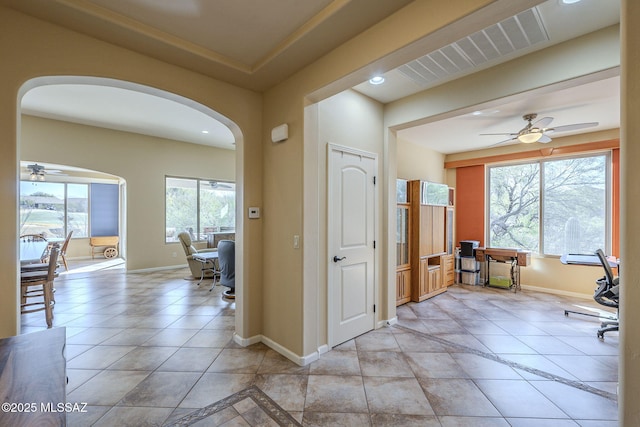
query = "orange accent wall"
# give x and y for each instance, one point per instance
(615, 202)
(470, 203)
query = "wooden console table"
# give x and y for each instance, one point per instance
(33, 379)
(515, 257)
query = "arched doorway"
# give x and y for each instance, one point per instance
(144, 159)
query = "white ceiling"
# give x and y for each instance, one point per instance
(598, 101)
(256, 44)
(126, 110)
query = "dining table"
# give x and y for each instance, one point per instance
(31, 252)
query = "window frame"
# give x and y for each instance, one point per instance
(198, 204)
(65, 207)
(541, 161)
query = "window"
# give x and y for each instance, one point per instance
(552, 207)
(199, 207)
(54, 209)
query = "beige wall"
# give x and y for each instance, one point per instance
(143, 162)
(53, 51)
(285, 178)
(352, 120)
(419, 162)
(629, 371)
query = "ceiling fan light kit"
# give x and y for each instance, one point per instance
(529, 138)
(37, 172)
(537, 132)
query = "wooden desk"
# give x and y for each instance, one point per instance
(33, 379)
(593, 261)
(587, 259)
(516, 257)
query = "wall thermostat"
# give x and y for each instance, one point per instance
(254, 212)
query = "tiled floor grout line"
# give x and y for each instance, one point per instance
(270, 407)
(571, 383)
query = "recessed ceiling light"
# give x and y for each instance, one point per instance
(476, 113)
(569, 1)
(205, 131)
(377, 80)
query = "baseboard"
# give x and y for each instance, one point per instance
(323, 349)
(557, 292)
(245, 342)
(389, 322)
(151, 270)
(298, 360)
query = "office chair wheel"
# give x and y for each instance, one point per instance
(601, 335)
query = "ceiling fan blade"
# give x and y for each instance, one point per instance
(576, 126)
(543, 122)
(499, 134)
(544, 139)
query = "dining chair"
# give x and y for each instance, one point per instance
(36, 238)
(36, 288)
(63, 250)
(33, 238)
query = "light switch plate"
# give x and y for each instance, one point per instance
(254, 213)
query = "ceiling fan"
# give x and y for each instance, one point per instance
(218, 185)
(537, 132)
(37, 172)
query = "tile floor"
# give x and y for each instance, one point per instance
(151, 348)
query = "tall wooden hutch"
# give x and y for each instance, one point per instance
(425, 261)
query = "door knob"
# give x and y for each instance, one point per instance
(336, 259)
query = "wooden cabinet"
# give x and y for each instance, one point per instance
(435, 281)
(424, 265)
(429, 279)
(403, 286)
(423, 280)
(432, 231)
(427, 245)
(403, 248)
(447, 265)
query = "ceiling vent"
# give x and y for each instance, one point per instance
(488, 45)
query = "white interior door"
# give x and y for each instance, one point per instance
(351, 240)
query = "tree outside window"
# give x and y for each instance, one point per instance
(199, 207)
(559, 206)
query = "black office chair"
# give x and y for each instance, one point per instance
(607, 294)
(227, 264)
